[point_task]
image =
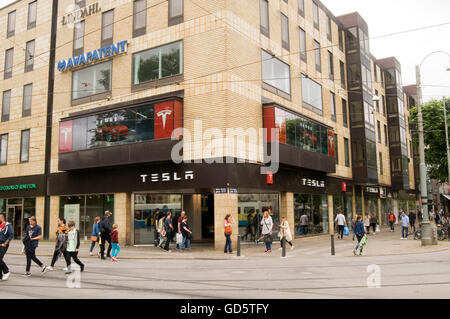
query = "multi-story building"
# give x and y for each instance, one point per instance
(213, 107)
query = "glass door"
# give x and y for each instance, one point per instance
(14, 216)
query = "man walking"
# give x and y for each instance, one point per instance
(304, 223)
(156, 218)
(105, 234)
(169, 230)
(412, 221)
(6, 235)
(405, 226)
(341, 223)
(391, 219)
(33, 234)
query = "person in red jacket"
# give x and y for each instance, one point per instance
(115, 243)
(391, 219)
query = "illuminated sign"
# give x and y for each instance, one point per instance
(313, 183)
(93, 56)
(167, 177)
(17, 187)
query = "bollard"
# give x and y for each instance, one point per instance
(332, 246)
(239, 246)
(283, 246)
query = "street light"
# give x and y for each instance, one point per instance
(426, 227)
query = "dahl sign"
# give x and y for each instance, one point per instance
(93, 56)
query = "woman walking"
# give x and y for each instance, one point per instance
(285, 233)
(94, 235)
(187, 233)
(228, 231)
(367, 223)
(360, 234)
(31, 241)
(267, 225)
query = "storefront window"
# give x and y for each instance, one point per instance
(250, 211)
(82, 209)
(145, 206)
(371, 204)
(315, 208)
(343, 203)
(358, 204)
(386, 208)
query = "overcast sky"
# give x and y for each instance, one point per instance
(390, 16)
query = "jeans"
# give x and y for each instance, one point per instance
(268, 243)
(169, 236)
(404, 232)
(341, 231)
(31, 256)
(55, 257)
(227, 243)
(186, 243)
(115, 249)
(305, 229)
(391, 224)
(3, 268)
(92, 246)
(105, 238)
(74, 255)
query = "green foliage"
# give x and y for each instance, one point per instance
(434, 138)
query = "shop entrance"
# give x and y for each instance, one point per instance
(18, 211)
(14, 217)
(208, 217)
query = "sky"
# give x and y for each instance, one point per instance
(385, 17)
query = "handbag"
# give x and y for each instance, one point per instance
(378, 229)
(228, 230)
(268, 238)
(179, 239)
(94, 238)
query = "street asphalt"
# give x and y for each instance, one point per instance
(392, 268)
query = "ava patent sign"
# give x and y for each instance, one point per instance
(79, 14)
(93, 56)
(167, 177)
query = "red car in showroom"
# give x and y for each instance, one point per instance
(112, 133)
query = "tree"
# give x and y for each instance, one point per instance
(434, 138)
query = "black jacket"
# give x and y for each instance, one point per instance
(104, 226)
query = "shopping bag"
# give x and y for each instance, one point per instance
(179, 239)
(300, 230)
(363, 241)
(346, 231)
(378, 229)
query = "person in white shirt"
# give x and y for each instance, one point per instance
(341, 223)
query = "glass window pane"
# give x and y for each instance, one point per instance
(91, 80)
(176, 8)
(79, 136)
(108, 25)
(275, 72)
(302, 45)
(11, 23)
(25, 146)
(291, 120)
(311, 93)
(32, 7)
(3, 148)
(27, 95)
(6, 103)
(285, 31)
(78, 37)
(140, 14)
(264, 13)
(29, 56)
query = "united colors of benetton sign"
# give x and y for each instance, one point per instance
(93, 56)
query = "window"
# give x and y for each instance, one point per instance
(25, 146)
(158, 63)
(8, 63)
(285, 31)
(264, 16)
(311, 94)
(91, 80)
(341, 39)
(329, 30)
(78, 38)
(27, 98)
(11, 24)
(301, 7)
(347, 153)
(377, 103)
(318, 57)
(3, 148)
(32, 14)
(380, 155)
(385, 135)
(6, 104)
(139, 17)
(375, 73)
(331, 64)
(369, 115)
(379, 131)
(175, 12)
(342, 69)
(344, 113)
(316, 15)
(107, 27)
(336, 149)
(352, 40)
(275, 73)
(366, 79)
(29, 56)
(383, 101)
(333, 106)
(302, 45)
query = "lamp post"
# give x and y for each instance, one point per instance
(426, 227)
(446, 137)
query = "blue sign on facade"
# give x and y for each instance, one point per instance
(90, 57)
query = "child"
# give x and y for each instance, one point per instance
(115, 243)
(73, 246)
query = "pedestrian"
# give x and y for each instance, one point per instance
(360, 234)
(162, 231)
(187, 234)
(33, 234)
(105, 230)
(94, 235)
(180, 220)
(367, 224)
(304, 221)
(392, 220)
(6, 235)
(412, 221)
(228, 231)
(405, 226)
(73, 247)
(266, 227)
(61, 244)
(373, 223)
(115, 243)
(285, 233)
(341, 223)
(168, 226)
(156, 217)
(353, 226)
